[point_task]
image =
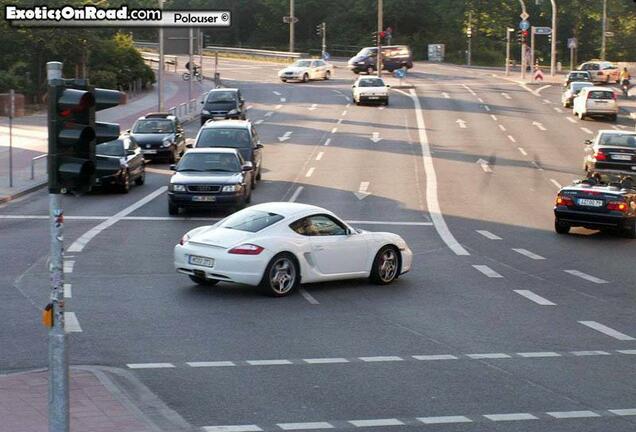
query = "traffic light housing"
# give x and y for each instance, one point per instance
(73, 132)
(319, 30)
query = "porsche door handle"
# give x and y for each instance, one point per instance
(319, 248)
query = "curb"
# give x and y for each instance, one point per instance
(22, 192)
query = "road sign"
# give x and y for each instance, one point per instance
(524, 25)
(538, 75)
(572, 43)
(400, 73)
(609, 34)
(326, 56)
(542, 30)
(524, 15)
(288, 19)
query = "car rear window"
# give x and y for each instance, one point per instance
(377, 82)
(221, 96)
(600, 94)
(218, 137)
(622, 140)
(110, 148)
(250, 220)
(152, 126)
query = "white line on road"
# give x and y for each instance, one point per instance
(571, 120)
(376, 422)
(536, 165)
(487, 271)
(572, 414)
(432, 199)
(446, 95)
(305, 426)
(511, 138)
(71, 323)
(522, 151)
(586, 130)
(313, 107)
(556, 183)
(586, 276)
(444, 419)
(542, 88)
(502, 127)
(259, 121)
(319, 155)
(506, 95)
(381, 359)
(542, 354)
(67, 266)
(538, 125)
(344, 113)
(285, 136)
(310, 172)
(489, 356)
(624, 412)
(488, 235)
(334, 130)
(529, 254)
(348, 105)
(277, 107)
(283, 100)
(308, 296)
(557, 109)
(510, 417)
(461, 123)
(211, 364)
(276, 362)
(607, 330)
(339, 121)
(79, 244)
(546, 101)
(435, 357)
(469, 89)
(348, 99)
(331, 360)
(327, 141)
(590, 353)
(486, 107)
(480, 100)
(149, 365)
(368, 222)
(68, 290)
(494, 117)
(276, 93)
(232, 428)
(268, 114)
(535, 297)
(630, 352)
(249, 107)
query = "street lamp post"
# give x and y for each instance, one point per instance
(291, 25)
(508, 31)
(469, 36)
(161, 66)
(380, 25)
(604, 26)
(554, 38)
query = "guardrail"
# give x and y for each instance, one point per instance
(254, 52)
(33, 164)
(154, 58)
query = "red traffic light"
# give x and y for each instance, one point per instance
(382, 34)
(524, 33)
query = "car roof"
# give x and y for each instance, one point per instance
(223, 89)
(289, 209)
(373, 77)
(598, 188)
(158, 115)
(598, 88)
(237, 124)
(616, 132)
(212, 150)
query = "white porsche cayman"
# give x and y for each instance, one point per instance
(277, 245)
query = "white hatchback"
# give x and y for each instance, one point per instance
(370, 89)
(595, 101)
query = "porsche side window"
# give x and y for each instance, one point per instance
(304, 227)
(326, 226)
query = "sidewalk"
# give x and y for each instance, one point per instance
(30, 135)
(98, 403)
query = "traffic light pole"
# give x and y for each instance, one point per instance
(380, 25)
(160, 71)
(291, 25)
(324, 39)
(508, 30)
(58, 353)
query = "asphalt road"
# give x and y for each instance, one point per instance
(502, 325)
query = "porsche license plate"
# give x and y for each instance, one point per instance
(204, 198)
(201, 261)
(590, 202)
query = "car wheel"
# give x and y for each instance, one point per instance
(281, 276)
(386, 266)
(561, 227)
(203, 281)
(173, 210)
(305, 78)
(141, 179)
(327, 75)
(283, 80)
(630, 229)
(124, 187)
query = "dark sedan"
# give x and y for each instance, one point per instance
(595, 205)
(578, 75)
(160, 135)
(118, 164)
(611, 152)
(222, 104)
(209, 178)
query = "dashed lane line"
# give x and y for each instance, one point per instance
(586, 276)
(489, 235)
(586, 130)
(494, 117)
(556, 183)
(511, 417)
(310, 172)
(444, 419)
(546, 101)
(334, 130)
(296, 193)
(344, 113)
(311, 299)
(522, 151)
(484, 269)
(276, 93)
(79, 244)
(327, 141)
(268, 114)
(502, 127)
(320, 155)
(535, 298)
(571, 120)
(71, 323)
(529, 254)
(232, 428)
(486, 107)
(376, 422)
(67, 266)
(607, 330)
(150, 365)
(512, 139)
(259, 121)
(557, 109)
(68, 290)
(305, 426)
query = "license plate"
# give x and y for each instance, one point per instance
(374, 97)
(218, 117)
(590, 202)
(149, 151)
(204, 198)
(622, 157)
(201, 261)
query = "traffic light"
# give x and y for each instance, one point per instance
(521, 36)
(319, 30)
(374, 37)
(73, 132)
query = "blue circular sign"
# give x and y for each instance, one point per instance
(326, 56)
(524, 25)
(400, 73)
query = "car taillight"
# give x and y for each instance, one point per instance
(246, 249)
(617, 206)
(600, 156)
(184, 239)
(563, 200)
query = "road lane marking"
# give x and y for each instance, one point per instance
(607, 330)
(469, 89)
(529, 254)
(484, 165)
(446, 95)
(536, 165)
(348, 99)
(68, 290)
(332, 360)
(375, 137)
(319, 155)
(432, 200)
(277, 107)
(461, 123)
(259, 121)
(310, 172)
(435, 357)
(590, 353)
(285, 136)
(542, 354)
(327, 141)
(489, 356)
(586, 276)
(444, 419)
(535, 298)
(586, 130)
(308, 296)
(283, 100)
(276, 93)
(313, 107)
(572, 414)
(381, 359)
(305, 426)
(149, 365)
(538, 125)
(487, 271)
(522, 151)
(506, 95)
(480, 100)
(511, 138)
(494, 117)
(277, 362)
(232, 428)
(249, 107)
(79, 244)
(211, 364)
(486, 107)
(571, 120)
(511, 417)
(67, 266)
(624, 412)
(334, 130)
(268, 114)
(71, 323)
(502, 127)
(546, 101)
(377, 422)
(488, 235)
(556, 183)
(362, 190)
(339, 121)
(557, 109)
(542, 88)
(344, 113)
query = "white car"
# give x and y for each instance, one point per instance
(595, 101)
(370, 89)
(277, 245)
(305, 70)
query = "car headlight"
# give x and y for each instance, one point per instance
(206, 112)
(232, 188)
(177, 188)
(233, 112)
(167, 142)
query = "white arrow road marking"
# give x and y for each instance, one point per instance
(461, 123)
(276, 93)
(381, 107)
(233, 428)
(484, 165)
(570, 119)
(376, 137)
(586, 130)
(313, 107)
(542, 88)
(67, 266)
(362, 191)
(506, 95)
(446, 95)
(538, 125)
(285, 137)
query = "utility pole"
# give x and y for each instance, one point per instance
(469, 35)
(324, 39)
(604, 26)
(291, 25)
(190, 47)
(58, 353)
(554, 38)
(532, 47)
(201, 50)
(508, 31)
(379, 46)
(161, 67)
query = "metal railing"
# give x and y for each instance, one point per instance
(254, 52)
(154, 58)
(33, 164)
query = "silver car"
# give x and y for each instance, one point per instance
(572, 91)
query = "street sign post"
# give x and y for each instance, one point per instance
(400, 73)
(524, 15)
(524, 25)
(542, 30)
(572, 43)
(326, 56)
(11, 114)
(288, 20)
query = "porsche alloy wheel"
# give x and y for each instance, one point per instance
(281, 276)
(385, 266)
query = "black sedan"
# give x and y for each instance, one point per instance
(595, 205)
(209, 178)
(577, 76)
(118, 164)
(160, 135)
(222, 104)
(611, 152)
